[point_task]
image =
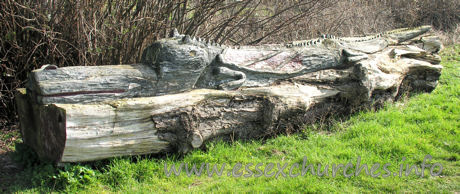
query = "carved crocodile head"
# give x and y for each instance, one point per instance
(404, 34)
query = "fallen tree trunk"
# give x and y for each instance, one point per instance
(76, 114)
(85, 132)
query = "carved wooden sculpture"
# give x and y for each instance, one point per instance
(187, 91)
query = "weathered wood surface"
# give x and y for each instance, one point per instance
(91, 84)
(108, 111)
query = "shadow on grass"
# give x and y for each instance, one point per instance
(21, 170)
(8, 171)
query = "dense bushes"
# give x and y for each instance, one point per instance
(98, 32)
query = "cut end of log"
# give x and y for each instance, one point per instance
(43, 127)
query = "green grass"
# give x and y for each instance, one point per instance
(423, 124)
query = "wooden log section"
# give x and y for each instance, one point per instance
(179, 122)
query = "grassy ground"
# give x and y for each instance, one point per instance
(413, 128)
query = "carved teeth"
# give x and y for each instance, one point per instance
(186, 39)
(174, 33)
